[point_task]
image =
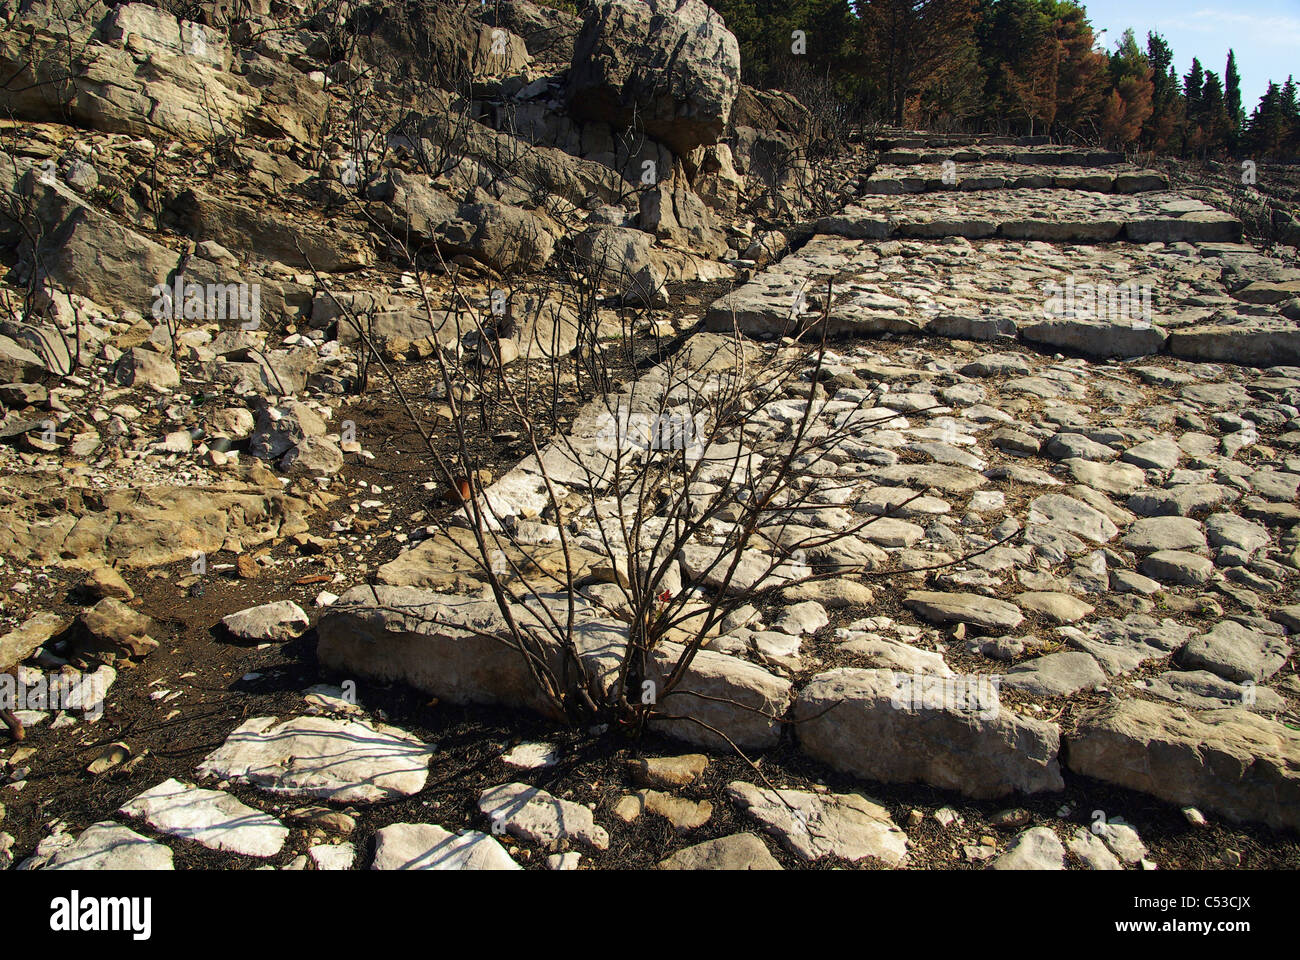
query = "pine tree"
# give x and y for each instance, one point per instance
(1081, 78)
(1192, 84)
(1290, 119)
(1166, 104)
(1013, 36)
(1232, 95)
(915, 43)
(1214, 117)
(1161, 57)
(764, 29)
(1290, 106)
(1266, 129)
(1128, 107)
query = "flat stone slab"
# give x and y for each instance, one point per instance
(1056, 607)
(350, 761)
(1161, 453)
(711, 566)
(210, 817)
(333, 856)
(1232, 762)
(1230, 530)
(1063, 295)
(1121, 646)
(269, 623)
(1073, 516)
(962, 150)
(890, 532)
(1203, 690)
(426, 846)
(1056, 675)
(531, 756)
(987, 613)
(1178, 567)
(814, 825)
(947, 732)
(740, 851)
(1236, 652)
(1181, 499)
(1165, 533)
(151, 526)
(533, 814)
(455, 648)
(1010, 174)
(1050, 215)
(740, 700)
(110, 846)
(28, 637)
(1038, 848)
(1125, 337)
(1257, 341)
(903, 657)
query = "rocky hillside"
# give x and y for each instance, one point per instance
(421, 428)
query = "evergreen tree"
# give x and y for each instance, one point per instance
(1006, 65)
(1232, 94)
(1081, 76)
(1128, 107)
(1192, 84)
(1166, 102)
(1290, 119)
(1164, 84)
(915, 43)
(1267, 124)
(764, 30)
(1290, 107)
(1012, 37)
(1214, 117)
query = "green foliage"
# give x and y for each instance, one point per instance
(765, 30)
(1192, 84)
(1273, 131)
(1013, 66)
(1232, 93)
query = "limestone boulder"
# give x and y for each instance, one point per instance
(670, 64)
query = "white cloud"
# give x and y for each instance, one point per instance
(1271, 30)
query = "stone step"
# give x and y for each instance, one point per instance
(914, 140)
(1037, 156)
(1103, 301)
(892, 179)
(1053, 215)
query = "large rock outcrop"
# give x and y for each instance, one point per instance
(1230, 761)
(670, 64)
(862, 722)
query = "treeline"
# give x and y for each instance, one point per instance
(1006, 66)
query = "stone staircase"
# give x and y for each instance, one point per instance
(930, 250)
(1129, 530)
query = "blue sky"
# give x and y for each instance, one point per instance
(1264, 33)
